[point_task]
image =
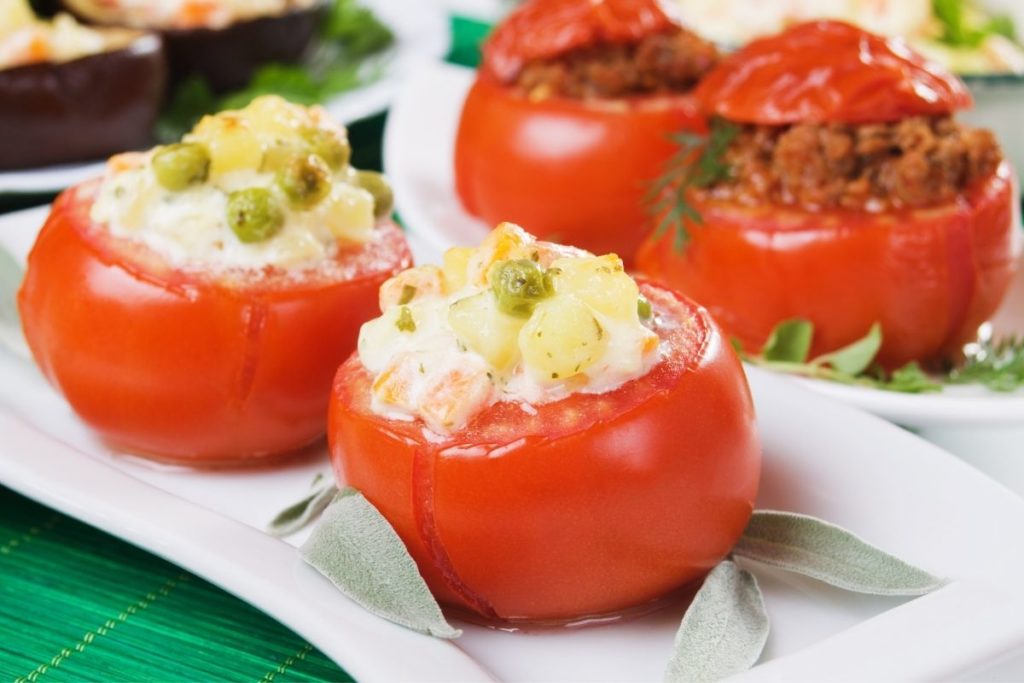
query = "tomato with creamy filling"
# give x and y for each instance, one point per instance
(551, 439)
(193, 304)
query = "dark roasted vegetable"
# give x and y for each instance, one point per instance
(87, 108)
(227, 57)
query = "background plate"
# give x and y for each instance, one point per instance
(421, 33)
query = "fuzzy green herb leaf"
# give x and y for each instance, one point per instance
(724, 630)
(298, 516)
(826, 552)
(698, 162)
(356, 548)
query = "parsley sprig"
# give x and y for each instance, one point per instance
(997, 365)
(698, 162)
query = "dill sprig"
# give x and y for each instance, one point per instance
(698, 162)
(996, 364)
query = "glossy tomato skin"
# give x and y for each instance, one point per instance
(590, 505)
(196, 369)
(829, 72)
(929, 276)
(569, 171)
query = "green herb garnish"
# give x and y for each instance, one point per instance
(996, 365)
(964, 25)
(699, 162)
(405, 321)
(349, 35)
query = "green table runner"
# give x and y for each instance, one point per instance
(78, 604)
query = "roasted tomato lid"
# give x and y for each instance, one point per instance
(829, 72)
(546, 29)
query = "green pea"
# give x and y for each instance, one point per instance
(326, 144)
(519, 285)
(254, 214)
(180, 165)
(306, 181)
(643, 308)
(377, 185)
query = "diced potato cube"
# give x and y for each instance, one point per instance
(456, 261)
(232, 143)
(484, 329)
(409, 285)
(348, 213)
(561, 339)
(275, 117)
(600, 282)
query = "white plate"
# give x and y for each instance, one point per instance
(418, 157)
(821, 458)
(421, 33)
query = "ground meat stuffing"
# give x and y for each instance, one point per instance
(663, 62)
(913, 163)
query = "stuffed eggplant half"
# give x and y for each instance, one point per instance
(224, 41)
(73, 92)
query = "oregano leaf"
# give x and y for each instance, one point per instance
(857, 357)
(829, 553)
(724, 630)
(789, 342)
(356, 548)
(296, 517)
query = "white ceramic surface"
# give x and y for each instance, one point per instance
(421, 32)
(821, 458)
(418, 157)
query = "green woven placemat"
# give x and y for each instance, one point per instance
(79, 605)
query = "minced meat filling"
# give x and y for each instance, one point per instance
(663, 62)
(916, 162)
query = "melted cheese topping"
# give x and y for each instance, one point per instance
(444, 349)
(26, 40)
(190, 227)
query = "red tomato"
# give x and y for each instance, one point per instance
(929, 276)
(829, 71)
(586, 506)
(569, 171)
(543, 29)
(187, 367)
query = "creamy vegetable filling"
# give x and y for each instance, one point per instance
(513, 320)
(24, 39)
(268, 185)
(184, 13)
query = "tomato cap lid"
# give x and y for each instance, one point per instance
(829, 72)
(546, 29)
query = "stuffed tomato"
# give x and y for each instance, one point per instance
(551, 440)
(194, 304)
(70, 92)
(570, 117)
(847, 195)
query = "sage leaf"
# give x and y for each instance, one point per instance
(724, 630)
(356, 548)
(789, 342)
(298, 516)
(855, 358)
(11, 275)
(824, 551)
